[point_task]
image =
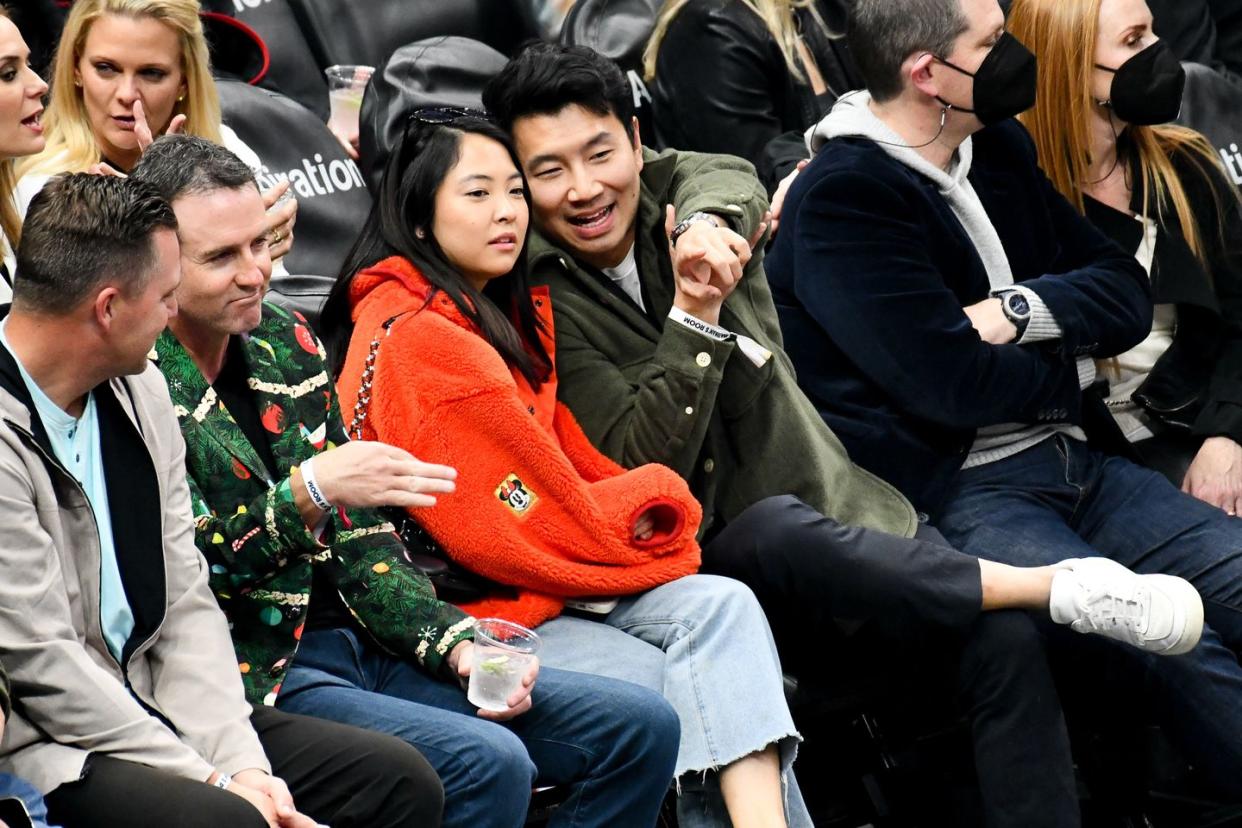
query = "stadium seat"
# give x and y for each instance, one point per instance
(439, 71)
(369, 31)
(618, 29)
(1212, 104)
(293, 70)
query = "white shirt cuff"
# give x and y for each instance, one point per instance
(752, 350)
(692, 322)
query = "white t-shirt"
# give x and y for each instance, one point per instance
(1133, 367)
(625, 276)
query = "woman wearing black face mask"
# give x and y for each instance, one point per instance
(1160, 192)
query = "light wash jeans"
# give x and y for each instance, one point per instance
(704, 643)
(21, 806)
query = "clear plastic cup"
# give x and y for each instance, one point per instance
(345, 87)
(503, 652)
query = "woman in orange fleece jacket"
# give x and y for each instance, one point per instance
(442, 349)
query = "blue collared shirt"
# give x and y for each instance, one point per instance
(75, 442)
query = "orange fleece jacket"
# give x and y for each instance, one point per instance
(537, 507)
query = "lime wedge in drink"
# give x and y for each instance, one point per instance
(496, 665)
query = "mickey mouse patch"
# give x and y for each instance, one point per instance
(514, 494)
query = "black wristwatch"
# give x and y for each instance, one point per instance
(686, 223)
(1016, 308)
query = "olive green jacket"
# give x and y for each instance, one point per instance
(650, 390)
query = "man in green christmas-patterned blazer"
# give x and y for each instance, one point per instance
(329, 617)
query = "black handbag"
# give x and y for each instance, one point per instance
(453, 583)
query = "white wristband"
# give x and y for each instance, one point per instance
(312, 486)
(223, 781)
(752, 350)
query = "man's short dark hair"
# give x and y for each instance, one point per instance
(546, 77)
(882, 33)
(178, 165)
(83, 231)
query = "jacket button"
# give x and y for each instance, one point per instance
(704, 359)
(709, 465)
(689, 410)
(539, 303)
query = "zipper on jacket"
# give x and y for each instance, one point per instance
(1176, 408)
(122, 666)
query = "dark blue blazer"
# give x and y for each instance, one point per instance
(871, 270)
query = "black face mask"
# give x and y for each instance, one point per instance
(1147, 88)
(1004, 82)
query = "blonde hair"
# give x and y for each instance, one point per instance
(10, 218)
(1062, 34)
(71, 146)
(777, 16)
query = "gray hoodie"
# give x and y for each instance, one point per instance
(852, 116)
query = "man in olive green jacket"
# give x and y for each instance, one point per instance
(668, 351)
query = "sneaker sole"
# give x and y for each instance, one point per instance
(1186, 599)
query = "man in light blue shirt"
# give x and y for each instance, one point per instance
(75, 440)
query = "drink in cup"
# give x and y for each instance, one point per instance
(503, 652)
(345, 87)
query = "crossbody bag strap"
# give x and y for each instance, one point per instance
(363, 406)
(452, 582)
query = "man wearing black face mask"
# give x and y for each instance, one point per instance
(944, 307)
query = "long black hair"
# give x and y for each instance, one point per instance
(417, 166)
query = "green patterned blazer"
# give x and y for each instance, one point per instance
(248, 527)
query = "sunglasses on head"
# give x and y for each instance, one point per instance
(445, 114)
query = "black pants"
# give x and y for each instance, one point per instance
(340, 776)
(917, 604)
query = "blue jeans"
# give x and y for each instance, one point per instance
(21, 806)
(1060, 499)
(612, 744)
(704, 643)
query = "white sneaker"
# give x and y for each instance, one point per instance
(1161, 614)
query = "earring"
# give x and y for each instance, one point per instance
(419, 232)
(181, 97)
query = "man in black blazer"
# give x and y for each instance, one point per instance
(944, 307)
